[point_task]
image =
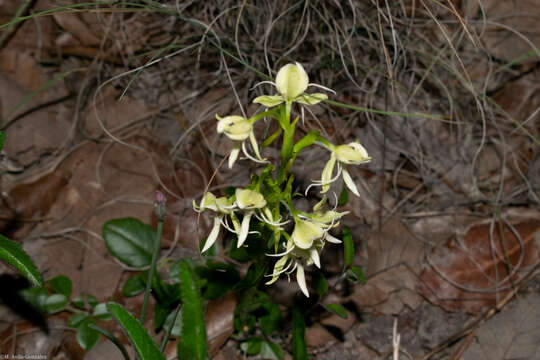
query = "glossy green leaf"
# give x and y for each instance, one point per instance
(14, 255)
(238, 253)
(299, 341)
(130, 241)
(2, 137)
(86, 336)
(252, 347)
(134, 285)
(160, 315)
(77, 320)
(61, 285)
(193, 345)
(255, 272)
(177, 328)
(101, 312)
(348, 246)
(55, 303)
(36, 297)
(337, 309)
(142, 342)
(91, 300)
(358, 274)
(272, 321)
(343, 197)
(220, 279)
(271, 351)
(78, 301)
(319, 283)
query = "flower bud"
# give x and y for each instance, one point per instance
(352, 153)
(160, 205)
(291, 81)
(235, 127)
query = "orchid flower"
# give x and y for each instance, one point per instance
(248, 201)
(222, 207)
(347, 154)
(291, 82)
(239, 129)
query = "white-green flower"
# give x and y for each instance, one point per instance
(346, 154)
(222, 207)
(291, 83)
(248, 201)
(239, 129)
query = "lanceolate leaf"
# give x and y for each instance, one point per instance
(299, 341)
(193, 344)
(130, 240)
(337, 309)
(143, 343)
(349, 246)
(13, 254)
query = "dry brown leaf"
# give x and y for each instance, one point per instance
(317, 336)
(73, 24)
(471, 272)
(219, 321)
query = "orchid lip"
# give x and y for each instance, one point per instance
(285, 268)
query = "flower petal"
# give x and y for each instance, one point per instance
(235, 127)
(213, 234)
(269, 100)
(279, 268)
(327, 173)
(305, 232)
(350, 183)
(249, 199)
(311, 99)
(233, 156)
(301, 279)
(291, 81)
(331, 239)
(254, 145)
(245, 228)
(314, 255)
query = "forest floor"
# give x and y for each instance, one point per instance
(103, 107)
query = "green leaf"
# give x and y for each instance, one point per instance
(78, 301)
(306, 141)
(348, 246)
(220, 279)
(319, 283)
(337, 309)
(130, 240)
(160, 315)
(61, 285)
(271, 351)
(2, 137)
(255, 272)
(101, 312)
(238, 253)
(14, 255)
(177, 328)
(55, 303)
(272, 321)
(134, 285)
(210, 253)
(77, 320)
(193, 345)
(252, 347)
(35, 296)
(92, 300)
(357, 273)
(86, 336)
(343, 197)
(142, 342)
(299, 341)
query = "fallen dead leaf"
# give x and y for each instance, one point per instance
(471, 273)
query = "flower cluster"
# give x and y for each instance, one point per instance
(269, 197)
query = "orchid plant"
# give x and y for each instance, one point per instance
(295, 237)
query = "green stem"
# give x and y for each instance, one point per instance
(169, 330)
(155, 256)
(112, 338)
